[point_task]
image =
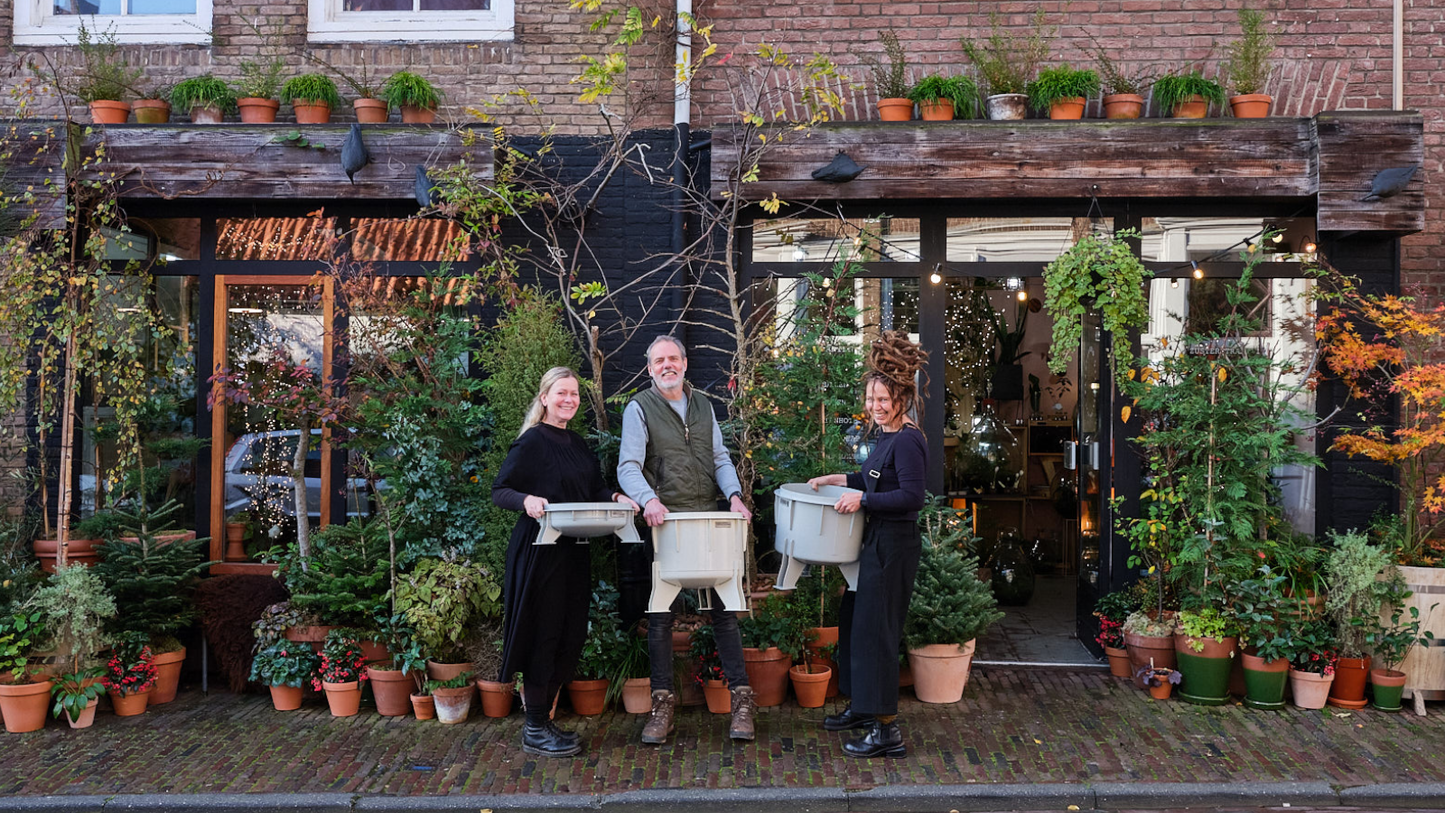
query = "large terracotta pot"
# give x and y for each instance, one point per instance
(936, 110)
(254, 110)
(1389, 688)
(310, 112)
(24, 705)
(1007, 106)
(497, 698)
(819, 637)
(1348, 690)
(1204, 665)
(447, 671)
(1250, 105)
(719, 698)
(103, 111)
(374, 651)
(130, 705)
(895, 109)
(286, 698)
(370, 111)
(1123, 106)
(77, 552)
(87, 716)
(637, 695)
(1264, 681)
(767, 674)
(811, 688)
(589, 697)
(424, 706)
(418, 115)
(343, 698)
(315, 636)
(905, 676)
(1071, 108)
(1195, 107)
(940, 671)
(1309, 689)
(168, 676)
(391, 688)
(151, 111)
(1146, 648)
(453, 705)
(1118, 661)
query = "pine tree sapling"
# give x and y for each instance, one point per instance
(950, 605)
(151, 583)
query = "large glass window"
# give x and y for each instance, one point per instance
(57, 22)
(826, 240)
(276, 238)
(412, 20)
(1015, 239)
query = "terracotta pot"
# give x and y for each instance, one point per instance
(77, 552)
(447, 671)
(1123, 106)
(258, 111)
(453, 705)
(1264, 681)
(103, 111)
(1068, 109)
(719, 698)
(418, 115)
(163, 539)
(87, 716)
(1195, 107)
(1309, 689)
(235, 542)
(1389, 688)
(130, 705)
(497, 698)
(637, 695)
(343, 698)
(1118, 661)
(1250, 105)
(1348, 690)
(168, 676)
(811, 688)
(819, 637)
(589, 697)
(1144, 648)
(311, 112)
(940, 671)
(1162, 691)
(767, 674)
(936, 110)
(1204, 665)
(1007, 106)
(833, 678)
(370, 111)
(895, 109)
(391, 689)
(286, 698)
(315, 635)
(207, 115)
(374, 651)
(681, 640)
(905, 676)
(424, 706)
(151, 111)
(24, 705)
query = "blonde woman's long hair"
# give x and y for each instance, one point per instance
(549, 380)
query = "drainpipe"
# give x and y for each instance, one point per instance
(681, 118)
(1398, 56)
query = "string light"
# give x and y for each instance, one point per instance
(1023, 296)
(1310, 247)
(1198, 272)
(935, 278)
(1174, 283)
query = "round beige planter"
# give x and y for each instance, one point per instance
(940, 671)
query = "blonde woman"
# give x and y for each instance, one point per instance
(548, 588)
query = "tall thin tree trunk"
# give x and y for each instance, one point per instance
(67, 456)
(298, 486)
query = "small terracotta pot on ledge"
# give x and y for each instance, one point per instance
(151, 111)
(1067, 109)
(104, 111)
(311, 112)
(1250, 105)
(896, 109)
(254, 110)
(1123, 106)
(370, 111)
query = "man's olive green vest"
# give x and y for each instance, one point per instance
(679, 464)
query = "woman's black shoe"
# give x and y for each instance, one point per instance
(881, 739)
(568, 736)
(845, 720)
(543, 742)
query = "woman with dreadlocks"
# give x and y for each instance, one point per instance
(892, 492)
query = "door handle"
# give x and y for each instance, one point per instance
(1071, 456)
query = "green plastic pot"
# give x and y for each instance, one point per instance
(1264, 682)
(1205, 673)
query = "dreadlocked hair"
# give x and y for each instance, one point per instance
(894, 362)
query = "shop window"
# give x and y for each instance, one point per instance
(1207, 239)
(1015, 239)
(823, 240)
(56, 22)
(276, 238)
(155, 240)
(409, 20)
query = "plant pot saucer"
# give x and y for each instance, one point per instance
(1264, 705)
(1347, 704)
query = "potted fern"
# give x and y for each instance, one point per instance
(313, 96)
(414, 95)
(1007, 64)
(1187, 95)
(1102, 272)
(1063, 91)
(1248, 66)
(890, 78)
(943, 98)
(204, 98)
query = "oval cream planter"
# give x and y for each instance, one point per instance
(1007, 106)
(453, 705)
(940, 671)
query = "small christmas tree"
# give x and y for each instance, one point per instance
(151, 582)
(950, 605)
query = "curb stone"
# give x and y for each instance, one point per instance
(1395, 794)
(728, 800)
(251, 802)
(977, 797)
(518, 803)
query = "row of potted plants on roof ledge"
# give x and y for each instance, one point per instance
(1011, 80)
(105, 80)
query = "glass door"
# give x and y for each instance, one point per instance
(1087, 458)
(271, 366)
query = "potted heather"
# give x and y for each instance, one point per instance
(341, 673)
(312, 96)
(417, 98)
(285, 667)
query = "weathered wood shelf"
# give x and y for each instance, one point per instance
(1332, 158)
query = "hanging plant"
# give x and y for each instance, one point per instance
(1100, 272)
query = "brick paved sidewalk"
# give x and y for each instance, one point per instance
(1014, 726)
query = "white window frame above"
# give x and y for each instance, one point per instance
(35, 25)
(326, 22)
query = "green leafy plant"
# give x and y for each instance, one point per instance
(441, 598)
(1116, 78)
(284, 663)
(1205, 622)
(461, 681)
(960, 90)
(202, 91)
(1355, 592)
(1392, 642)
(294, 138)
(890, 74)
(75, 691)
(950, 605)
(775, 622)
(104, 73)
(1100, 273)
(1247, 65)
(313, 88)
(76, 607)
(1173, 89)
(1263, 614)
(1310, 647)
(1111, 609)
(605, 639)
(407, 89)
(20, 634)
(1063, 82)
(1008, 62)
